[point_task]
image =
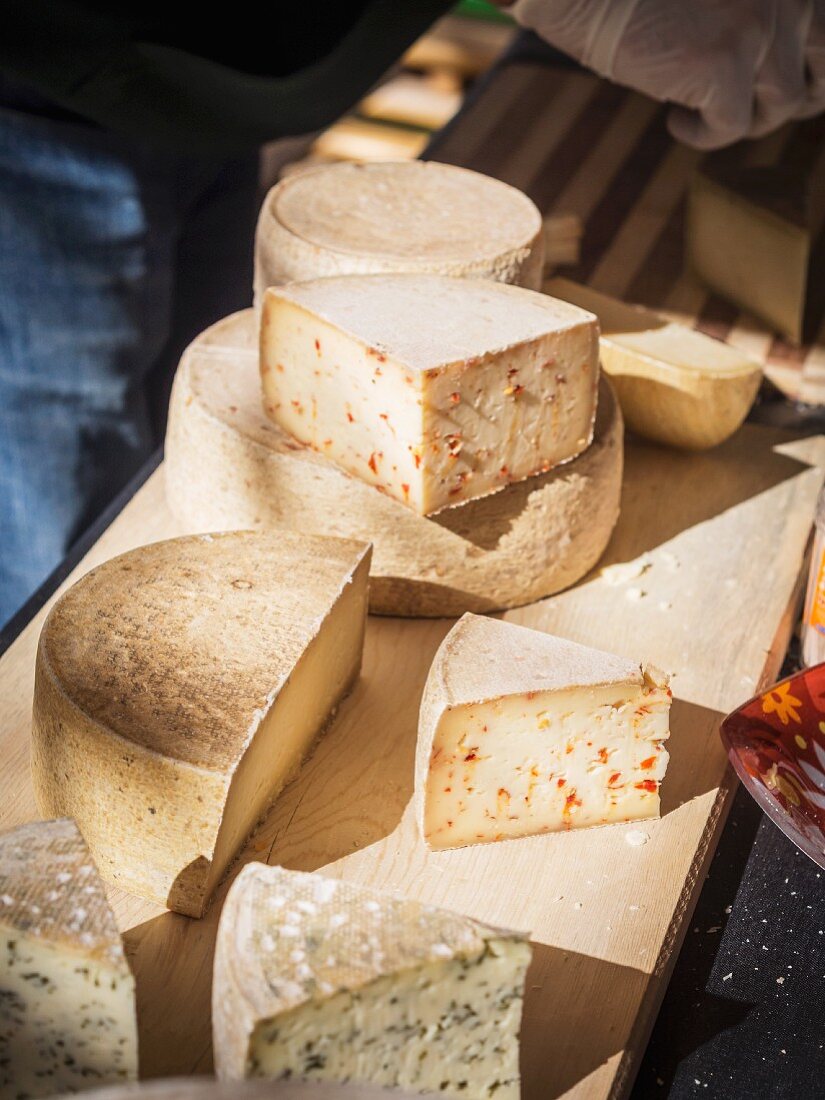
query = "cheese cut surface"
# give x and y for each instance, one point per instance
(434, 390)
(192, 677)
(67, 995)
(675, 385)
(228, 466)
(523, 733)
(419, 216)
(325, 980)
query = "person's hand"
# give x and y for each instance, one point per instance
(731, 68)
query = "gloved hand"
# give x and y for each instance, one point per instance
(732, 68)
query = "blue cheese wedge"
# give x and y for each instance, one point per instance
(523, 733)
(67, 996)
(435, 390)
(326, 980)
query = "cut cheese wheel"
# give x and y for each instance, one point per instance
(523, 733)
(433, 389)
(419, 216)
(179, 686)
(228, 466)
(676, 386)
(325, 980)
(67, 996)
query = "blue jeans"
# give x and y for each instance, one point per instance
(112, 258)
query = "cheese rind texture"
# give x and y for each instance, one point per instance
(434, 390)
(326, 980)
(228, 466)
(523, 733)
(676, 386)
(192, 677)
(67, 995)
(424, 217)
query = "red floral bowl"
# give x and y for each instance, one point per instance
(776, 743)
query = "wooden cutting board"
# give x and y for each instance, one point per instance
(711, 549)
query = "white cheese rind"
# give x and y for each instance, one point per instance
(67, 996)
(347, 219)
(522, 733)
(228, 466)
(192, 677)
(434, 390)
(322, 979)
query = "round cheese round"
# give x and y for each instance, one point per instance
(416, 216)
(229, 466)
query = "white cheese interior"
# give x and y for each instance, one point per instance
(449, 1028)
(546, 761)
(67, 1020)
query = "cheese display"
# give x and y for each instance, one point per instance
(419, 216)
(228, 466)
(675, 385)
(325, 980)
(750, 234)
(177, 689)
(435, 390)
(523, 733)
(67, 996)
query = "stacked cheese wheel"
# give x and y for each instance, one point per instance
(452, 423)
(457, 424)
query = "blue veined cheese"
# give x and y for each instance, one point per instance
(435, 390)
(523, 733)
(325, 980)
(67, 995)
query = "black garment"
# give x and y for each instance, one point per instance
(226, 80)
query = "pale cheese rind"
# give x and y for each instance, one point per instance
(523, 733)
(67, 995)
(434, 390)
(326, 980)
(191, 677)
(227, 465)
(420, 216)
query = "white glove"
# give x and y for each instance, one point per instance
(732, 68)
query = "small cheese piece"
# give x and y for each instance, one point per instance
(524, 733)
(67, 996)
(435, 390)
(749, 236)
(419, 216)
(191, 677)
(326, 980)
(228, 467)
(675, 385)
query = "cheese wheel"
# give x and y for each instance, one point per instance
(177, 689)
(415, 216)
(229, 466)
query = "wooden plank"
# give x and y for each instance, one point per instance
(717, 543)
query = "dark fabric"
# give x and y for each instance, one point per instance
(225, 83)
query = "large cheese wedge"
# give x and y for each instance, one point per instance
(345, 219)
(675, 385)
(326, 980)
(67, 995)
(524, 733)
(433, 389)
(228, 466)
(750, 236)
(177, 689)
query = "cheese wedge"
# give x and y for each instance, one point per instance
(419, 216)
(177, 689)
(524, 733)
(326, 980)
(434, 390)
(67, 996)
(675, 385)
(227, 466)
